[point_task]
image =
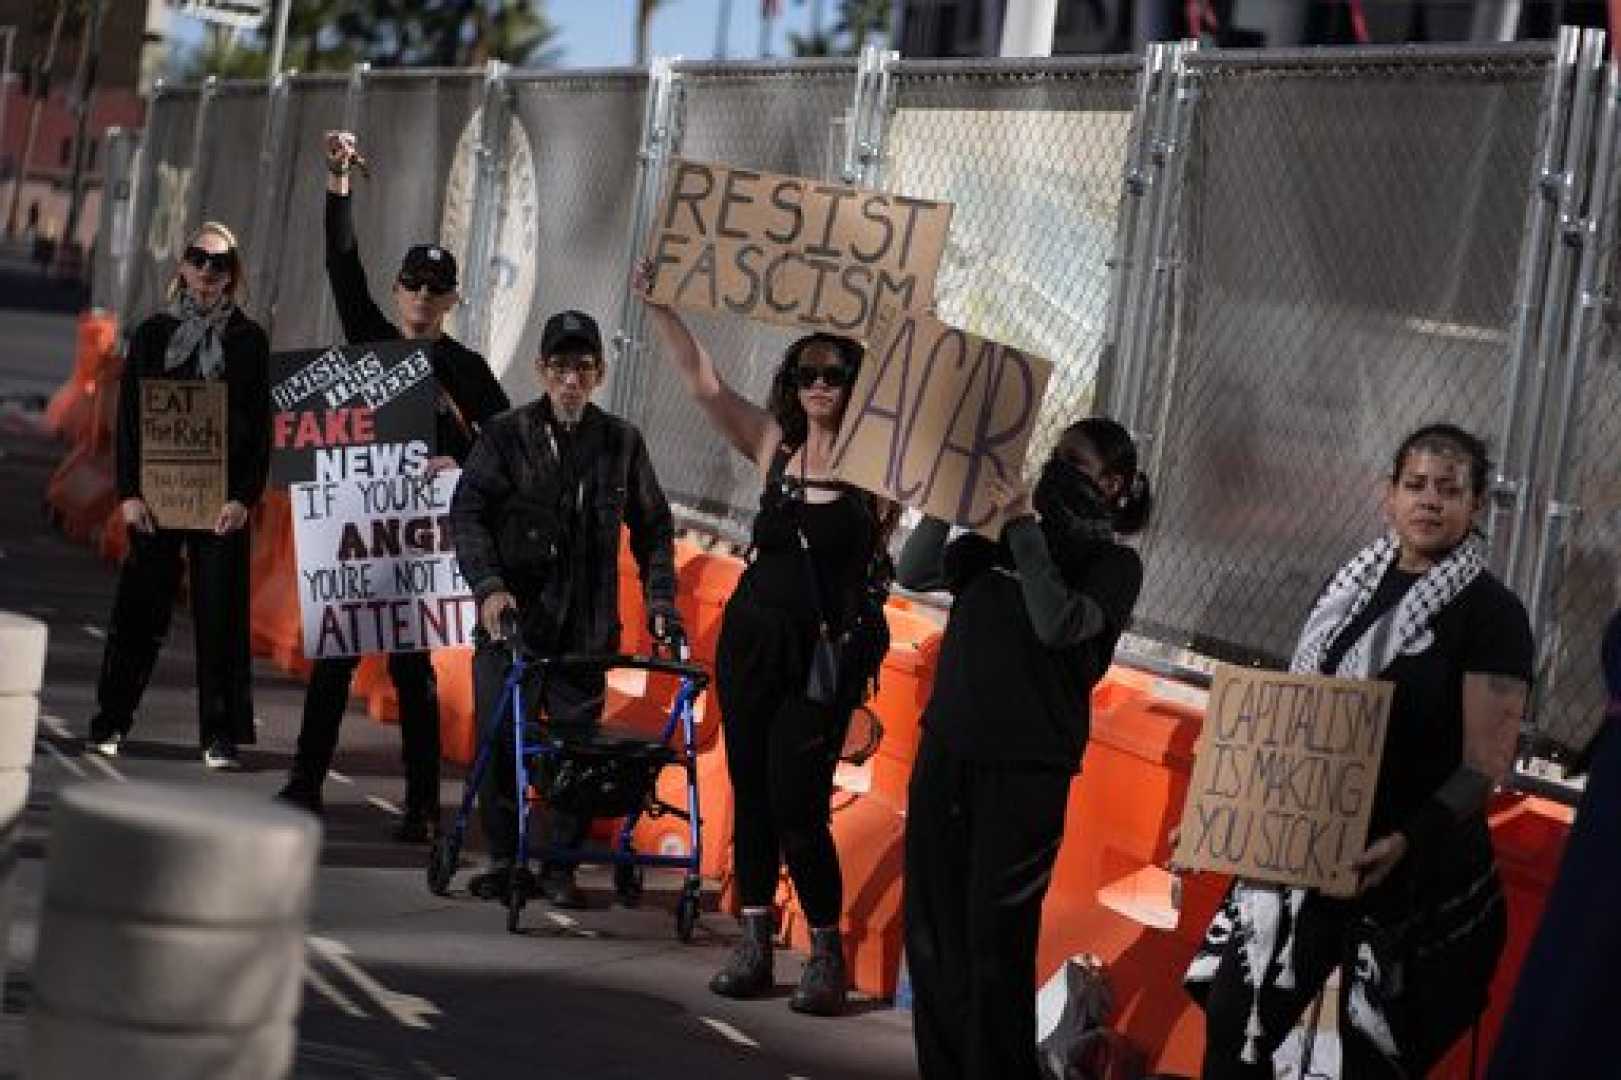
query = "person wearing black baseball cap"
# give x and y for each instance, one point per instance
(536, 520)
(468, 396)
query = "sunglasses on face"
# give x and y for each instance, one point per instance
(409, 283)
(221, 262)
(572, 365)
(835, 376)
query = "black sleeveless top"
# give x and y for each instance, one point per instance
(841, 535)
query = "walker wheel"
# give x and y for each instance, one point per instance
(515, 902)
(628, 881)
(442, 861)
(686, 915)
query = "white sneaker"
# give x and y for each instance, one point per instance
(107, 747)
(221, 754)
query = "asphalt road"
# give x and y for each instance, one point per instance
(401, 984)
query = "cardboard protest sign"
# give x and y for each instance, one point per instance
(935, 413)
(376, 568)
(183, 466)
(1283, 783)
(789, 250)
(360, 411)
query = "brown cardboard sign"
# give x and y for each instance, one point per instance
(1283, 784)
(935, 413)
(183, 469)
(790, 250)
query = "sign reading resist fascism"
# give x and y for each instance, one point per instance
(788, 250)
(376, 569)
(936, 412)
(1283, 782)
(361, 411)
(183, 467)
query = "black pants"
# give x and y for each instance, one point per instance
(327, 699)
(781, 750)
(980, 846)
(573, 707)
(142, 606)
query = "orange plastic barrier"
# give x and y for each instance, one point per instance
(71, 413)
(80, 493)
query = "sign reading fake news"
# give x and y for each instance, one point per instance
(788, 250)
(376, 568)
(935, 413)
(356, 411)
(1284, 778)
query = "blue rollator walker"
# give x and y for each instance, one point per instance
(608, 776)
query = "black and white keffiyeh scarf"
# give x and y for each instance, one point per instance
(1260, 918)
(201, 330)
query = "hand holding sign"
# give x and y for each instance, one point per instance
(938, 413)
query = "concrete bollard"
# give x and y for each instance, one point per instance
(22, 670)
(171, 936)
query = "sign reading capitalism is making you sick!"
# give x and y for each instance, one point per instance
(1284, 777)
(793, 251)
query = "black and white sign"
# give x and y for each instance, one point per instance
(355, 412)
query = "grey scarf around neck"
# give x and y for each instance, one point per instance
(201, 330)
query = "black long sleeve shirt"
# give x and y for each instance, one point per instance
(469, 393)
(247, 426)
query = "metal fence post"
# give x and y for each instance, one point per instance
(1560, 282)
(1510, 484)
(661, 140)
(199, 131)
(1146, 285)
(265, 207)
(1595, 234)
(869, 118)
(116, 229)
(489, 158)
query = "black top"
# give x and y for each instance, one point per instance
(469, 393)
(247, 424)
(1001, 696)
(842, 535)
(1483, 630)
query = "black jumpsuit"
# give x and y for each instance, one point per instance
(781, 748)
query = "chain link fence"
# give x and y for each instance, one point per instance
(1348, 240)
(1307, 255)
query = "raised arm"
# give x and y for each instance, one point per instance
(362, 319)
(747, 426)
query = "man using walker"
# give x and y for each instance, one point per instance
(536, 520)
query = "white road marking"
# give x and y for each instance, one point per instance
(324, 987)
(730, 1032)
(106, 767)
(565, 921)
(338, 776)
(383, 805)
(407, 1009)
(96, 632)
(62, 759)
(56, 726)
(59, 728)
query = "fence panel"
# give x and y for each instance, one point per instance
(1349, 230)
(234, 128)
(1033, 157)
(566, 227)
(783, 119)
(161, 200)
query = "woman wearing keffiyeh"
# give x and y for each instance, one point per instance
(1417, 946)
(200, 335)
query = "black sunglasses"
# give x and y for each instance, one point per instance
(411, 283)
(565, 364)
(836, 376)
(221, 262)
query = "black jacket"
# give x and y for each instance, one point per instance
(586, 484)
(469, 393)
(1031, 632)
(247, 423)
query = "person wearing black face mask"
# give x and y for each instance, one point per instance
(1034, 622)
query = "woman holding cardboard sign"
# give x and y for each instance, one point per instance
(1418, 945)
(201, 337)
(1035, 617)
(802, 638)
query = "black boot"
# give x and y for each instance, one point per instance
(822, 987)
(748, 971)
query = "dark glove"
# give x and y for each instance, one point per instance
(664, 623)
